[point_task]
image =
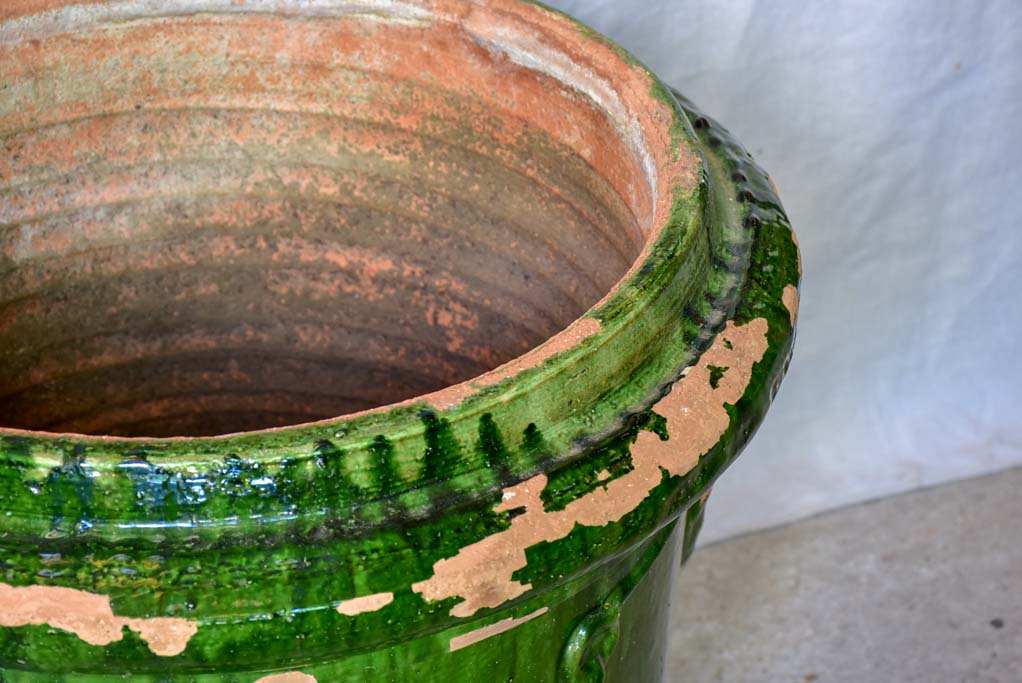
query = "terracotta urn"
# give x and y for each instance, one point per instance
(362, 340)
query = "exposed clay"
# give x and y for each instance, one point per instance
(90, 617)
(289, 677)
(798, 251)
(581, 330)
(572, 337)
(790, 299)
(369, 603)
(481, 574)
(495, 629)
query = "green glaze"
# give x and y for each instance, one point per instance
(257, 538)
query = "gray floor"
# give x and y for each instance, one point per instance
(924, 587)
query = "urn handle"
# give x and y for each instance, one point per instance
(592, 642)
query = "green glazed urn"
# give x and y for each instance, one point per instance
(549, 300)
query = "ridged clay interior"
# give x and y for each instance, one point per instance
(213, 223)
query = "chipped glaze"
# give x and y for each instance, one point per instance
(369, 603)
(481, 574)
(362, 340)
(494, 629)
(790, 299)
(571, 338)
(89, 617)
(290, 677)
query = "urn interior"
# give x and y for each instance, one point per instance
(220, 223)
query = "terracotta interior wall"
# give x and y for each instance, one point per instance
(220, 222)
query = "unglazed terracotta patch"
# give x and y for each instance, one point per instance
(572, 337)
(481, 574)
(369, 603)
(90, 617)
(289, 677)
(495, 629)
(790, 299)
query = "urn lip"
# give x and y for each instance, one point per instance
(527, 33)
(718, 265)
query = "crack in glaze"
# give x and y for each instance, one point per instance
(90, 617)
(695, 410)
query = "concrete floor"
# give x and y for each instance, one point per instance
(920, 588)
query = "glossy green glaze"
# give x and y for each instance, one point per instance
(251, 547)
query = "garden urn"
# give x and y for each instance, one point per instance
(363, 340)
